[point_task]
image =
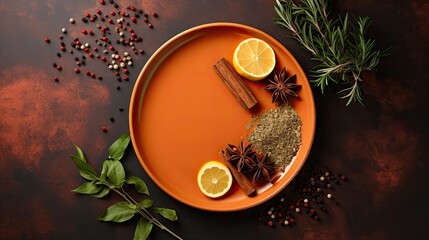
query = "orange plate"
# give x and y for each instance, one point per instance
(182, 114)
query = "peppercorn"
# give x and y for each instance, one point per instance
(47, 40)
(104, 129)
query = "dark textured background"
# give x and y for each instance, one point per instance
(381, 147)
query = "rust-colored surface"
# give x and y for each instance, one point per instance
(381, 146)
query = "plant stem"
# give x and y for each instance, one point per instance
(143, 211)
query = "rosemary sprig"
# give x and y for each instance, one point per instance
(339, 45)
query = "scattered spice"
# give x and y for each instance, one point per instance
(304, 196)
(278, 133)
(235, 84)
(103, 34)
(283, 87)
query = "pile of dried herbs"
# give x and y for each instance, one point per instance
(277, 132)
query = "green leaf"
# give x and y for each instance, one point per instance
(138, 183)
(88, 188)
(117, 149)
(79, 153)
(167, 213)
(143, 229)
(106, 165)
(103, 192)
(116, 173)
(118, 212)
(146, 203)
(85, 170)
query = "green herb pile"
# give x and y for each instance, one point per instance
(112, 178)
(339, 45)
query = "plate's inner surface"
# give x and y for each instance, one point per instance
(182, 114)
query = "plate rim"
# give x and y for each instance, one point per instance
(134, 101)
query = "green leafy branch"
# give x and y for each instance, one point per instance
(339, 45)
(112, 178)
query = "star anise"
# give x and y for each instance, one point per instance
(263, 168)
(283, 87)
(242, 156)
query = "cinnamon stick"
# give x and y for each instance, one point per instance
(235, 84)
(241, 179)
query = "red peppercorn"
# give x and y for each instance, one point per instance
(132, 8)
(87, 15)
(133, 19)
(113, 13)
(91, 19)
(98, 11)
(104, 39)
(91, 33)
(292, 220)
(112, 48)
(59, 68)
(88, 73)
(102, 2)
(92, 75)
(47, 40)
(125, 78)
(95, 49)
(134, 35)
(103, 58)
(63, 48)
(104, 129)
(77, 70)
(126, 71)
(150, 25)
(56, 79)
(84, 31)
(110, 21)
(154, 14)
(146, 20)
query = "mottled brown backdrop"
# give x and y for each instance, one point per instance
(380, 147)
